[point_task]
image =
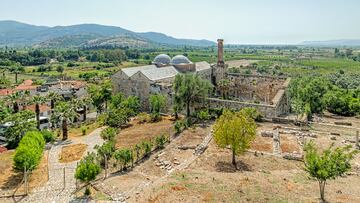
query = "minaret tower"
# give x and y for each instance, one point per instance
(220, 69)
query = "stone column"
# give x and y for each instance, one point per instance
(276, 142)
(220, 52)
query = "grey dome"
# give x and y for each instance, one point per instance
(180, 59)
(162, 59)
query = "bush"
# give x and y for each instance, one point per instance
(107, 149)
(124, 156)
(109, 133)
(180, 126)
(203, 115)
(83, 130)
(160, 141)
(48, 136)
(29, 152)
(118, 117)
(216, 112)
(144, 118)
(88, 169)
(147, 147)
(252, 113)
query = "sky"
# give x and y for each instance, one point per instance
(236, 21)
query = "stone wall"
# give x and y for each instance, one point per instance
(278, 106)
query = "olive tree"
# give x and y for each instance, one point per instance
(87, 170)
(189, 89)
(326, 165)
(236, 130)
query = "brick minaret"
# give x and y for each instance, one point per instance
(220, 62)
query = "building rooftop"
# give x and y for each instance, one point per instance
(131, 71)
(180, 59)
(200, 66)
(162, 59)
(160, 73)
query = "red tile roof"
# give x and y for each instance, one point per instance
(5, 92)
(43, 108)
(26, 85)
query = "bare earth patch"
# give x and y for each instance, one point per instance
(136, 133)
(10, 179)
(72, 153)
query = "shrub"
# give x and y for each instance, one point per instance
(124, 156)
(109, 133)
(252, 113)
(48, 136)
(180, 126)
(144, 117)
(29, 152)
(203, 115)
(107, 149)
(147, 147)
(83, 130)
(160, 141)
(118, 117)
(88, 169)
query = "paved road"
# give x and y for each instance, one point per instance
(55, 190)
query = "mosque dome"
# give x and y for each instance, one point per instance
(162, 59)
(180, 59)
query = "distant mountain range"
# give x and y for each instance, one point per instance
(333, 43)
(16, 34)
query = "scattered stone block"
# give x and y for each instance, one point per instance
(295, 157)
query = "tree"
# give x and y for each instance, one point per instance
(4, 111)
(190, 88)
(14, 100)
(87, 170)
(236, 130)
(224, 87)
(123, 156)
(29, 152)
(60, 69)
(54, 97)
(38, 100)
(118, 117)
(203, 116)
(117, 100)
(65, 112)
(105, 150)
(311, 91)
(108, 134)
(106, 92)
(157, 103)
(17, 70)
(19, 123)
(132, 103)
(329, 164)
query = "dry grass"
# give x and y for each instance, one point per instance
(77, 132)
(11, 179)
(136, 133)
(72, 153)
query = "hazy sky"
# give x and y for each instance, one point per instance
(237, 21)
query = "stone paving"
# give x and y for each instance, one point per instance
(55, 190)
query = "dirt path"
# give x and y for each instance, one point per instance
(58, 188)
(128, 186)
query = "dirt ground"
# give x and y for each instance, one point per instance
(148, 171)
(136, 133)
(261, 178)
(11, 179)
(72, 153)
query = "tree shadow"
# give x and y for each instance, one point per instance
(228, 167)
(13, 182)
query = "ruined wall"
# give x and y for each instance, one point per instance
(278, 106)
(254, 87)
